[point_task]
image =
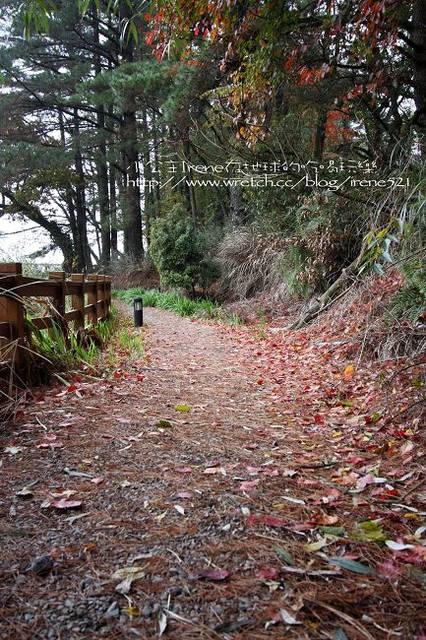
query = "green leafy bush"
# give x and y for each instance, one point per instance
(179, 252)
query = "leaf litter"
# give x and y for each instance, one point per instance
(304, 507)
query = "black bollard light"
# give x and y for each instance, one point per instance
(138, 311)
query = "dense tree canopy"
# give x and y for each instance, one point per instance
(116, 112)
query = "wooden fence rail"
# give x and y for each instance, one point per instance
(90, 298)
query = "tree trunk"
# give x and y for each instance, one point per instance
(80, 195)
(129, 138)
(101, 160)
(320, 132)
(113, 211)
(156, 192)
(190, 191)
(79, 262)
(148, 198)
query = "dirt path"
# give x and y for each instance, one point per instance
(200, 503)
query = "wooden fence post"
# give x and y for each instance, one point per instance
(92, 298)
(78, 300)
(108, 295)
(59, 301)
(12, 308)
(101, 296)
(59, 297)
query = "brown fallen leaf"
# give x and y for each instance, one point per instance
(63, 503)
(268, 573)
(185, 495)
(249, 485)
(215, 575)
(212, 470)
(50, 445)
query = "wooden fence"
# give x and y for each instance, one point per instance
(89, 296)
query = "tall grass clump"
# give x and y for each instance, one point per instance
(251, 263)
(50, 350)
(172, 301)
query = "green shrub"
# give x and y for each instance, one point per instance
(176, 250)
(410, 301)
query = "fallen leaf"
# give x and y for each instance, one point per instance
(398, 546)
(216, 575)
(271, 473)
(212, 470)
(351, 565)
(348, 373)
(363, 482)
(51, 445)
(183, 408)
(73, 519)
(333, 531)
(77, 474)
(293, 500)
(268, 573)
(370, 530)
(13, 450)
(284, 555)
(64, 494)
(249, 485)
(180, 509)
(42, 565)
(326, 519)
(63, 503)
(27, 492)
(273, 521)
(316, 546)
(162, 623)
(289, 473)
(127, 575)
(185, 495)
(288, 617)
(406, 447)
(253, 470)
